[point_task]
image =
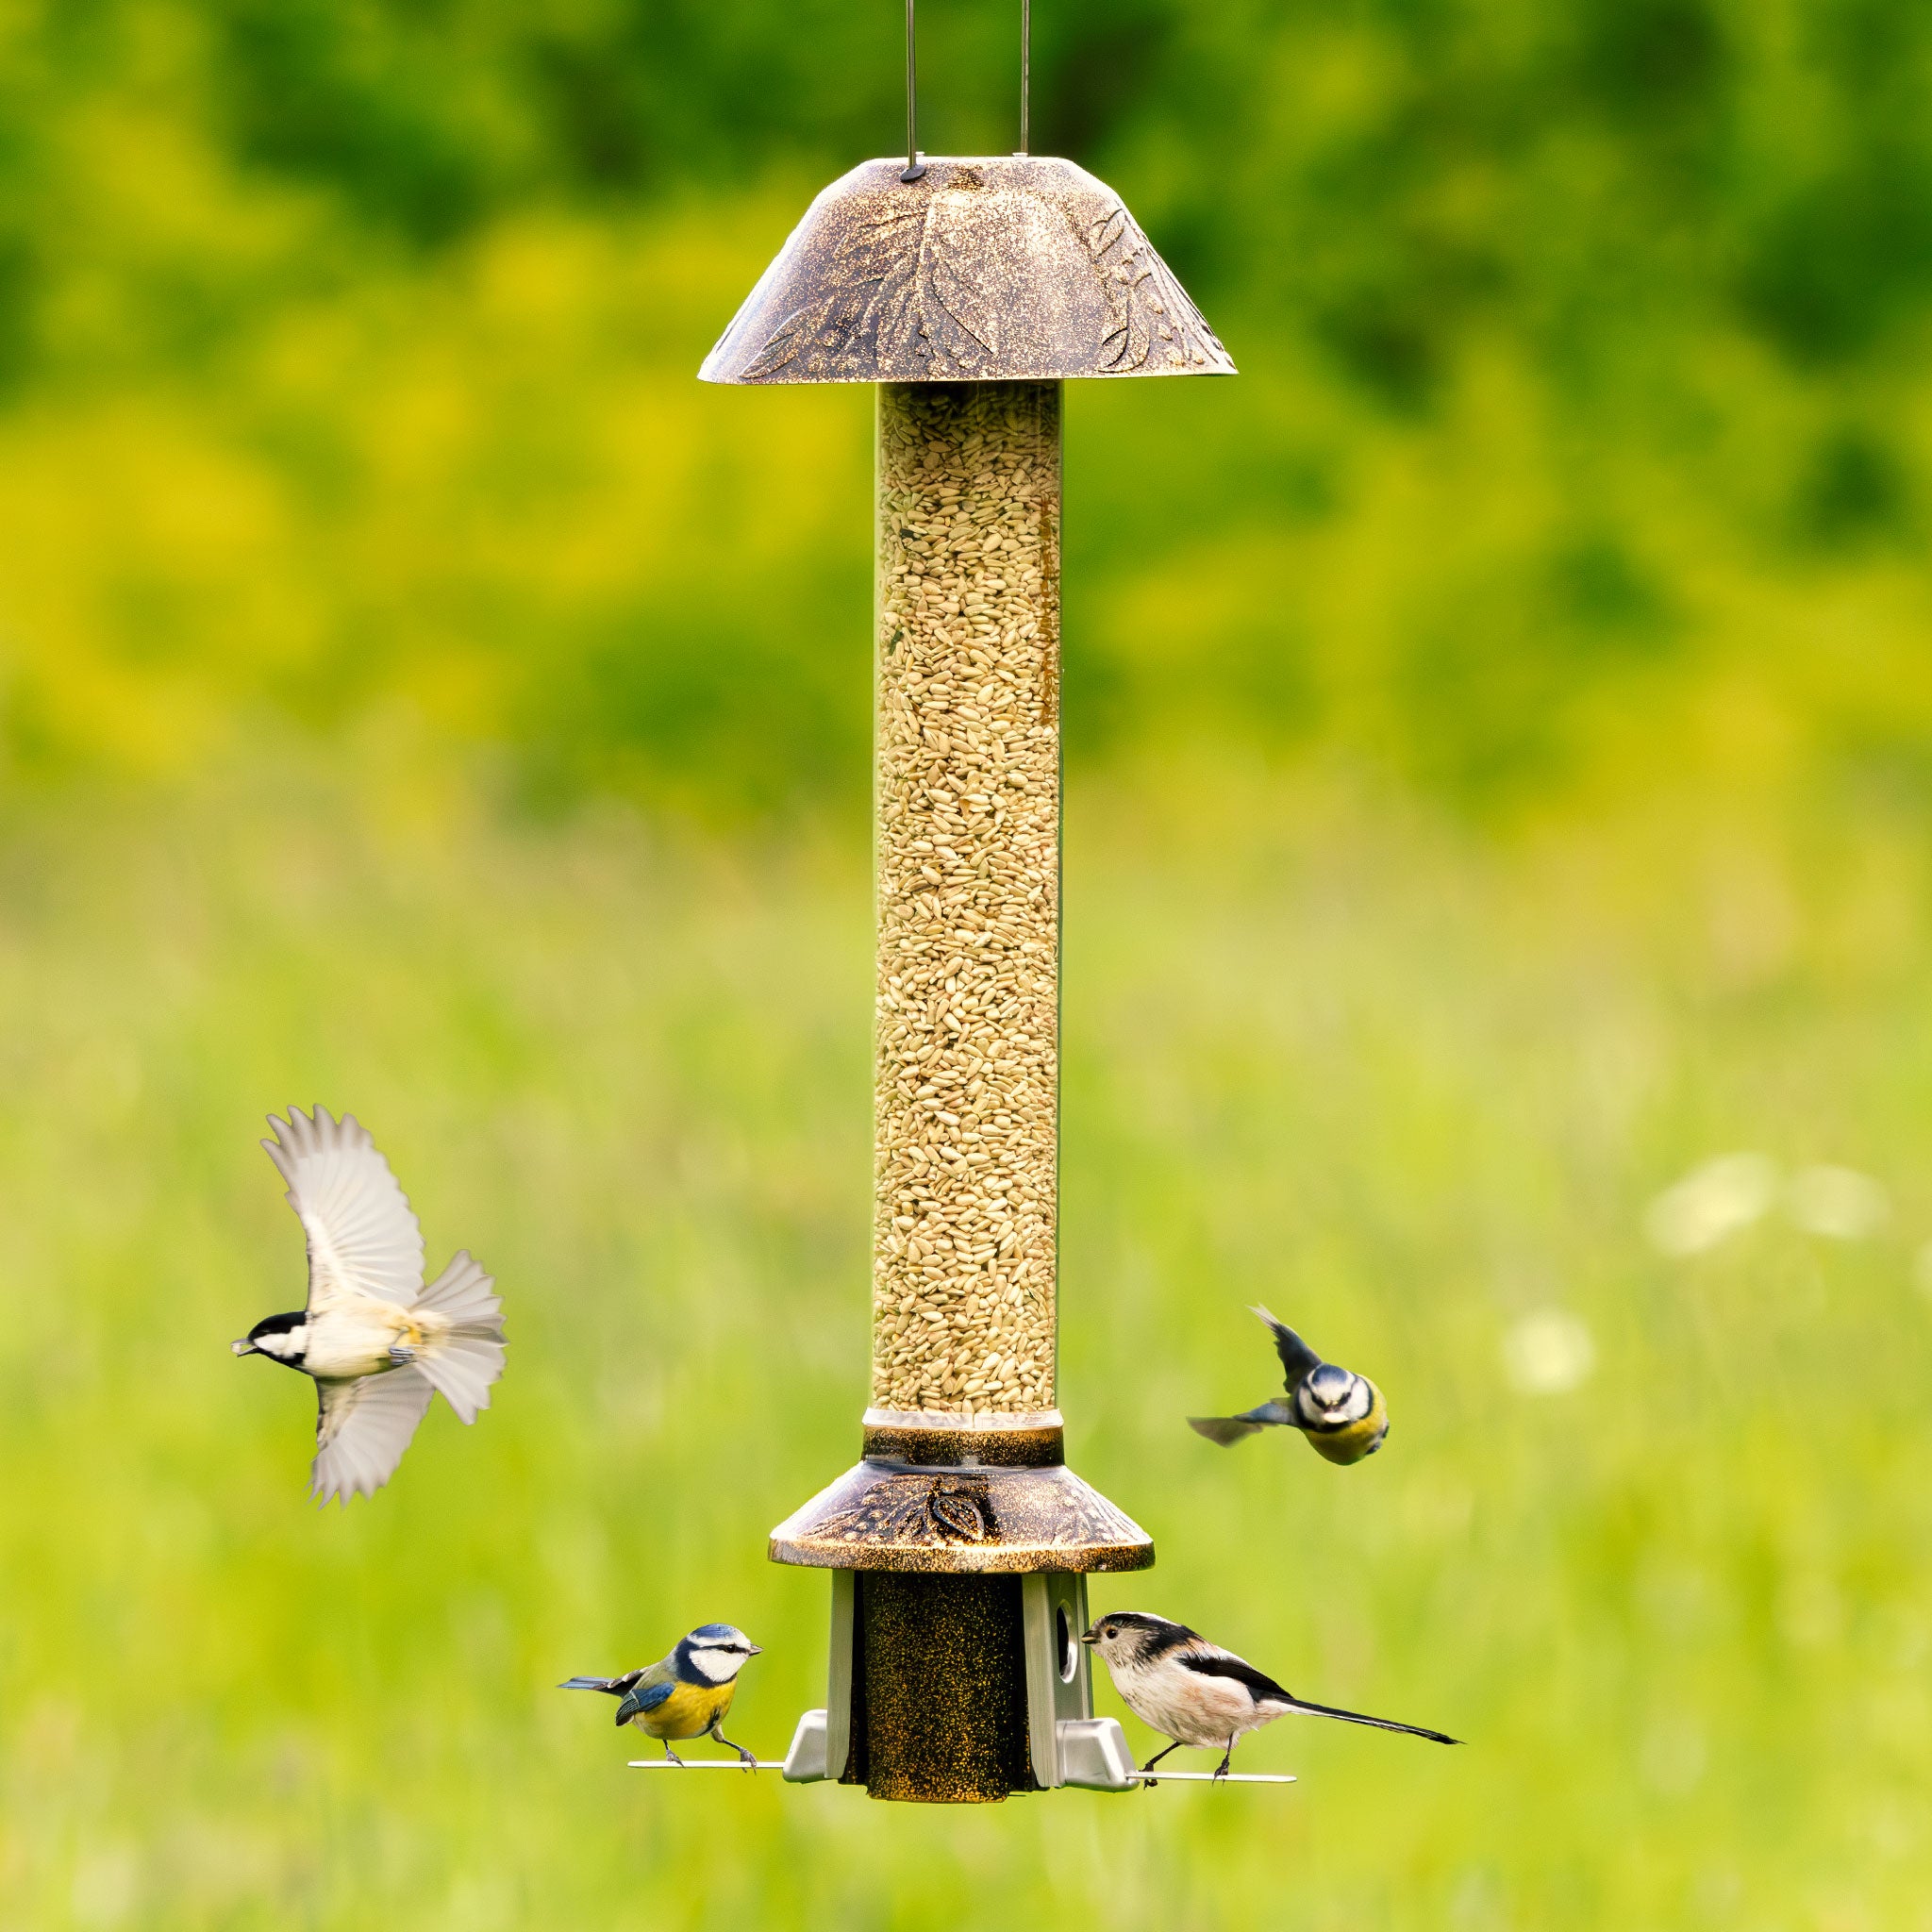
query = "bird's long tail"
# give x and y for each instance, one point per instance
(462, 1360)
(1380, 1724)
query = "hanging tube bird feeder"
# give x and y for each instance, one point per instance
(967, 289)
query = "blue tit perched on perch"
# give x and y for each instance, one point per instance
(684, 1694)
(1177, 1683)
(376, 1342)
(1342, 1414)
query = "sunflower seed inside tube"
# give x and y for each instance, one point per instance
(968, 888)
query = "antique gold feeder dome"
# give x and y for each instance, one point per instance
(968, 289)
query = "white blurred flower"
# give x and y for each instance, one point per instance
(107, 1884)
(1672, 1756)
(1549, 1353)
(1710, 1202)
(1839, 1201)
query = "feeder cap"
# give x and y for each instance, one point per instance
(999, 268)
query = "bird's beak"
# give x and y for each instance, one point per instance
(242, 1347)
(1088, 1637)
(757, 1650)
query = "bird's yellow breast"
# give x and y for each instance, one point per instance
(1356, 1439)
(689, 1711)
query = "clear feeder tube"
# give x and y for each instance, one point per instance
(967, 858)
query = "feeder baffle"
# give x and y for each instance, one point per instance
(960, 1543)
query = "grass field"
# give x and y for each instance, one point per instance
(1651, 1529)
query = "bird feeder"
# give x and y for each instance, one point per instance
(967, 289)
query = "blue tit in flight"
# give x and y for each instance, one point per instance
(684, 1694)
(1177, 1683)
(1343, 1414)
(377, 1343)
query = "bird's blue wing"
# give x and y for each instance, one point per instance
(1270, 1415)
(642, 1701)
(1225, 1429)
(1297, 1359)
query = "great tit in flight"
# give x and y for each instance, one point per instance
(684, 1694)
(1177, 1683)
(377, 1343)
(1343, 1414)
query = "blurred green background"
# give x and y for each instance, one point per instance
(1498, 933)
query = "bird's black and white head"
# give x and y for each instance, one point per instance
(1331, 1397)
(712, 1653)
(283, 1337)
(1132, 1640)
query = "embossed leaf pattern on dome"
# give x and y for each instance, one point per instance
(1150, 315)
(954, 1515)
(1002, 268)
(908, 284)
(871, 295)
(880, 1518)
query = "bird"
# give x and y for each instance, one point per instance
(1342, 1414)
(374, 1340)
(686, 1692)
(1180, 1684)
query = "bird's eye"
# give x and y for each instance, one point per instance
(1109, 1633)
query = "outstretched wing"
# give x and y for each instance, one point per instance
(1297, 1359)
(1226, 1430)
(362, 1237)
(362, 1430)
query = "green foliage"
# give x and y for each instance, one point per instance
(348, 355)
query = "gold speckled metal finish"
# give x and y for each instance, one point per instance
(939, 1673)
(988, 267)
(934, 1441)
(956, 1510)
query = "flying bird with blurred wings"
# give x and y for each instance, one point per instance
(374, 1340)
(1342, 1414)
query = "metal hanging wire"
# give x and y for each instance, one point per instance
(914, 166)
(1025, 73)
